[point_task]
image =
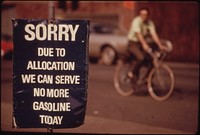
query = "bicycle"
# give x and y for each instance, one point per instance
(160, 78)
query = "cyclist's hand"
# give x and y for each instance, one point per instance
(164, 48)
(147, 49)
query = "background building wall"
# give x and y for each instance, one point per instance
(178, 22)
(175, 21)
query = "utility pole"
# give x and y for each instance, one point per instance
(51, 11)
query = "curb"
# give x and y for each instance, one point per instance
(194, 66)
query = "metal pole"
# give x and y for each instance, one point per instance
(51, 18)
(51, 11)
(50, 130)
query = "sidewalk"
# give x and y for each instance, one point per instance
(184, 65)
(97, 125)
(92, 124)
(109, 126)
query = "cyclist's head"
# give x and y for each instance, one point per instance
(144, 13)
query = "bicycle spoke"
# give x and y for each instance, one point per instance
(161, 82)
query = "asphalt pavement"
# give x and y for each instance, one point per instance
(109, 113)
(93, 124)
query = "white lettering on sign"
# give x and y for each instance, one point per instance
(45, 51)
(48, 79)
(50, 120)
(67, 79)
(52, 93)
(28, 78)
(50, 65)
(51, 32)
(51, 107)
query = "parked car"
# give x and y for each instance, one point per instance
(6, 47)
(106, 43)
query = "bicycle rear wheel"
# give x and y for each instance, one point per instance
(123, 84)
(161, 82)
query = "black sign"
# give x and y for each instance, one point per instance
(50, 73)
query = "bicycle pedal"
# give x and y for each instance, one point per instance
(130, 74)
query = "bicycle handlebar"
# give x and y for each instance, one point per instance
(150, 52)
(160, 52)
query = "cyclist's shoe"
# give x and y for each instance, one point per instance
(130, 75)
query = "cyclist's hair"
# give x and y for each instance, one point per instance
(144, 8)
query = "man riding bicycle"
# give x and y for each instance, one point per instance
(149, 51)
(142, 33)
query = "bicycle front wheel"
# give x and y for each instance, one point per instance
(161, 82)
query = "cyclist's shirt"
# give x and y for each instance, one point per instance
(137, 26)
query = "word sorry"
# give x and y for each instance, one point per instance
(50, 32)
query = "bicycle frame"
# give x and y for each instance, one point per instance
(158, 57)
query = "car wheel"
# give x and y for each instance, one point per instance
(108, 55)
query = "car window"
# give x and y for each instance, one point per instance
(105, 29)
(101, 29)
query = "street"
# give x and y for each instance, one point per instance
(179, 112)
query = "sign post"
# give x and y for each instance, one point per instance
(51, 11)
(50, 73)
(51, 17)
